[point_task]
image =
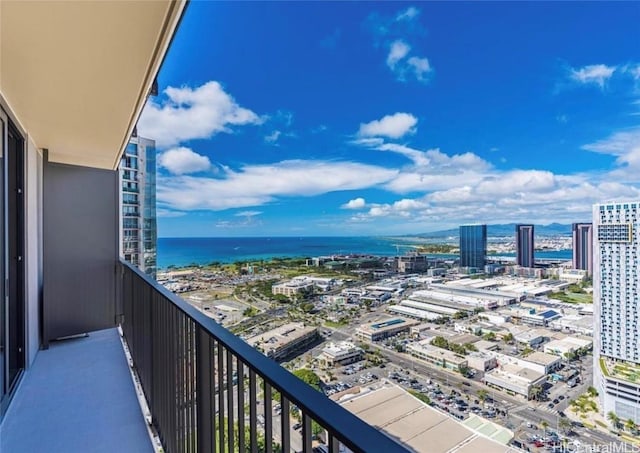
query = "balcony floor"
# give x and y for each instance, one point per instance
(77, 397)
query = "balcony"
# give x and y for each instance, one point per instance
(207, 390)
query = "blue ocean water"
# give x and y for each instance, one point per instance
(187, 251)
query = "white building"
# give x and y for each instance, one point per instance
(342, 353)
(616, 282)
(567, 345)
(292, 288)
(514, 378)
(481, 361)
(437, 356)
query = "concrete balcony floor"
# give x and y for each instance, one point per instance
(77, 397)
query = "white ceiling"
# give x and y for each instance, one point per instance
(76, 73)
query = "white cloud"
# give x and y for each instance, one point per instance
(273, 137)
(625, 146)
(420, 67)
(562, 119)
(180, 161)
(247, 213)
(397, 51)
(392, 126)
(356, 203)
(408, 14)
(256, 185)
(192, 113)
(597, 74)
(166, 213)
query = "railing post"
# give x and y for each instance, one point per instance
(204, 393)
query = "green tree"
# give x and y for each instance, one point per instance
(440, 342)
(535, 392)
(460, 315)
(489, 336)
(470, 347)
(631, 426)
(508, 338)
(564, 424)
(464, 370)
(482, 395)
(309, 377)
(592, 391)
(614, 419)
(545, 425)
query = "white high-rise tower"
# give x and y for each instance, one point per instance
(616, 298)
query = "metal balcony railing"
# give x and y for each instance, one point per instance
(209, 391)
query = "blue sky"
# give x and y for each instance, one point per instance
(358, 118)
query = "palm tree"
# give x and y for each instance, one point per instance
(535, 392)
(613, 418)
(545, 425)
(564, 424)
(631, 426)
(482, 394)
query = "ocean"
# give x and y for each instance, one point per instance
(188, 251)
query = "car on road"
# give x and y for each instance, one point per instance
(556, 401)
(561, 397)
(550, 405)
(297, 426)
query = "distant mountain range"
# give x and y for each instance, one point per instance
(506, 229)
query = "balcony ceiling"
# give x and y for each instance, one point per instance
(76, 73)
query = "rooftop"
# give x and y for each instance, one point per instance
(280, 336)
(417, 426)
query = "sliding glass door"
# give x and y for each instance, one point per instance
(12, 303)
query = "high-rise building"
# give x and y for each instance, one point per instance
(616, 285)
(138, 200)
(524, 245)
(583, 247)
(473, 246)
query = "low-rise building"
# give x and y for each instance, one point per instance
(568, 345)
(285, 341)
(437, 356)
(341, 353)
(529, 337)
(386, 328)
(578, 323)
(481, 361)
(513, 378)
(292, 288)
(543, 362)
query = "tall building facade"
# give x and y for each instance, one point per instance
(138, 200)
(524, 245)
(583, 247)
(473, 246)
(616, 286)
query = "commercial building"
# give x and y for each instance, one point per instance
(437, 356)
(285, 341)
(383, 329)
(410, 263)
(481, 360)
(567, 345)
(420, 428)
(583, 247)
(341, 353)
(139, 231)
(574, 323)
(616, 282)
(524, 245)
(473, 246)
(293, 288)
(514, 378)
